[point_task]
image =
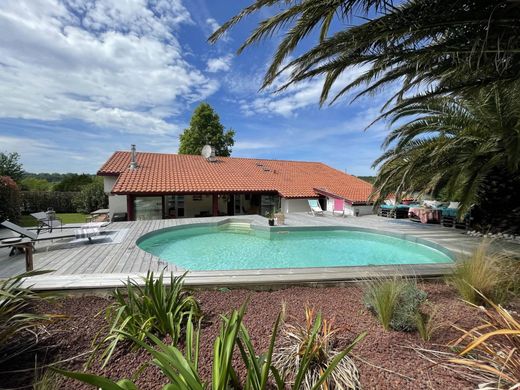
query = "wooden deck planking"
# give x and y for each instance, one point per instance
(123, 258)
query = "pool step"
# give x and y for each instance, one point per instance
(236, 227)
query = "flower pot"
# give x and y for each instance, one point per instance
(271, 222)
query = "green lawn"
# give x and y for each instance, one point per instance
(28, 221)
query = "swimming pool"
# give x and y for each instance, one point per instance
(239, 247)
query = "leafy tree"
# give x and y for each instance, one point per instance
(91, 197)
(9, 199)
(35, 184)
(50, 177)
(206, 129)
(448, 46)
(11, 166)
(73, 182)
(456, 145)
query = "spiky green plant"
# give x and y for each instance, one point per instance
(381, 296)
(182, 369)
(154, 308)
(428, 322)
(294, 340)
(485, 272)
(15, 316)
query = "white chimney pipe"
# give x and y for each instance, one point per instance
(133, 158)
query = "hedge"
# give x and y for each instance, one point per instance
(61, 202)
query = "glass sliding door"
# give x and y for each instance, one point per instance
(148, 207)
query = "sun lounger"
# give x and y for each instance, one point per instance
(86, 231)
(315, 207)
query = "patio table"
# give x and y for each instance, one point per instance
(26, 244)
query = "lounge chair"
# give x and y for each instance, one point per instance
(84, 232)
(47, 221)
(315, 207)
(339, 206)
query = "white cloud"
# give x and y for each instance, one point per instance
(112, 63)
(296, 97)
(220, 64)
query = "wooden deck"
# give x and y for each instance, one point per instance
(114, 256)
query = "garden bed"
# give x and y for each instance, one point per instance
(385, 359)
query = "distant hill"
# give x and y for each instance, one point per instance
(369, 179)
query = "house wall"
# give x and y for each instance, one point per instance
(294, 205)
(363, 210)
(116, 203)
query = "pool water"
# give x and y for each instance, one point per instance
(210, 248)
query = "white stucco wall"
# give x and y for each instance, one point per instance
(108, 183)
(363, 210)
(116, 203)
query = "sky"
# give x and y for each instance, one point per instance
(80, 79)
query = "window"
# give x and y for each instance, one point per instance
(148, 207)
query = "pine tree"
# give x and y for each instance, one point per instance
(206, 129)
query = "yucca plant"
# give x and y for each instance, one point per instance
(492, 348)
(485, 273)
(153, 308)
(182, 369)
(313, 343)
(15, 316)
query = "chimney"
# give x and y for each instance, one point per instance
(133, 158)
(213, 156)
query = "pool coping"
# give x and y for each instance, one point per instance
(259, 278)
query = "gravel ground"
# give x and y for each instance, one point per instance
(384, 359)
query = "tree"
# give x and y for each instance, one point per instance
(91, 197)
(433, 46)
(9, 199)
(35, 184)
(11, 166)
(462, 147)
(206, 129)
(73, 182)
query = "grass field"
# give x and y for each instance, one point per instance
(28, 221)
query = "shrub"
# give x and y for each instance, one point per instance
(152, 309)
(9, 199)
(91, 197)
(491, 348)
(395, 302)
(493, 274)
(61, 202)
(182, 370)
(295, 338)
(409, 302)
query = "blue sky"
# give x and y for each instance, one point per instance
(80, 79)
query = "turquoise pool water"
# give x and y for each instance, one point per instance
(209, 248)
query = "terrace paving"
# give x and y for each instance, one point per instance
(113, 257)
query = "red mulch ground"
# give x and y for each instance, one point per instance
(389, 350)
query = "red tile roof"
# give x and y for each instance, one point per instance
(166, 173)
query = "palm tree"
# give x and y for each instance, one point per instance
(432, 46)
(453, 145)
